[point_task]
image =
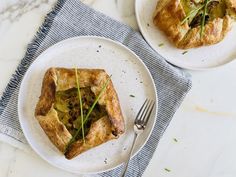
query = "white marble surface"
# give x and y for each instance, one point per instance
(204, 126)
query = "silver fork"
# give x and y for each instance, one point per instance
(140, 123)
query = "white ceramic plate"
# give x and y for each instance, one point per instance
(196, 59)
(130, 77)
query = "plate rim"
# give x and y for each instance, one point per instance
(19, 111)
(141, 28)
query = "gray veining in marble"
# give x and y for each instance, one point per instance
(19, 8)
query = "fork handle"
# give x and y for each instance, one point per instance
(130, 153)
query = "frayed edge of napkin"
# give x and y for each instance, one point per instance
(31, 50)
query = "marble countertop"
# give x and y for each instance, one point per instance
(199, 142)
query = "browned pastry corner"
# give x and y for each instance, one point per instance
(169, 15)
(57, 110)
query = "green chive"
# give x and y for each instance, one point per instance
(175, 140)
(96, 100)
(89, 112)
(161, 44)
(192, 13)
(131, 95)
(184, 52)
(80, 102)
(203, 18)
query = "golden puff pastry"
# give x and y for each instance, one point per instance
(170, 17)
(58, 109)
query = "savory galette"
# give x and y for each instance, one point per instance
(194, 23)
(79, 109)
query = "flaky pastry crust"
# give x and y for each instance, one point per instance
(169, 15)
(104, 129)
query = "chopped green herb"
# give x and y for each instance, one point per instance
(166, 169)
(148, 24)
(175, 140)
(131, 95)
(184, 52)
(161, 44)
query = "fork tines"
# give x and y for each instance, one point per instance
(144, 113)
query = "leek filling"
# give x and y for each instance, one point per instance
(67, 105)
(194, 10)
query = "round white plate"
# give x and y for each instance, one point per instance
(130, 77)
(196, 59)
